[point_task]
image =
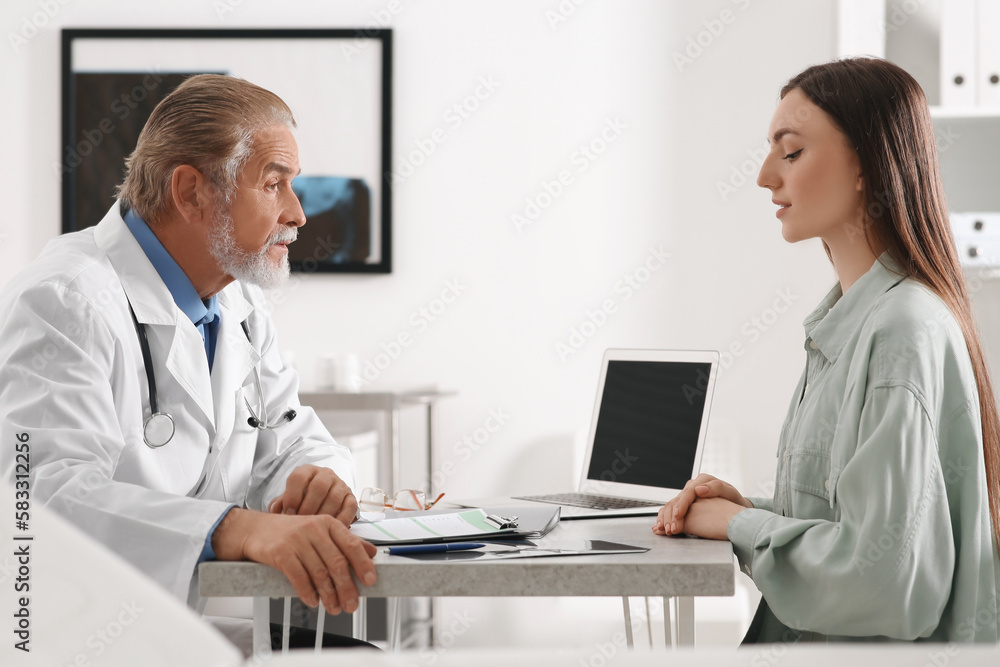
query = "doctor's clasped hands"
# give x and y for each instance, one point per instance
(305, 536)
(315, 551)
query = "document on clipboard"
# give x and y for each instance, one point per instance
(451, 525)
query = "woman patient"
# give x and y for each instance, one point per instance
(885, 517)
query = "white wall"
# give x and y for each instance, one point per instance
(656, 186)
(686, 129)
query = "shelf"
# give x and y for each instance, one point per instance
(964, 113)
(981, 272)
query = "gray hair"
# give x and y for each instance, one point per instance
(208, 122)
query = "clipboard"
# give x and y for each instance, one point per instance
(526, 549)
(458, 525)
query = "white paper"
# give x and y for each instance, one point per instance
(454, 524)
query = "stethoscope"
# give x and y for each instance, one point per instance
(158, 428)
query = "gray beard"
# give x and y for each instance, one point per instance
(255, 268)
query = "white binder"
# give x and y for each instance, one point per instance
(989, 53)
(977, 238)
(959, 53)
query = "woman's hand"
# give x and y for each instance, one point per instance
(709, 518)
(672, 516)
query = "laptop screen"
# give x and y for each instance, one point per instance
(649, 421)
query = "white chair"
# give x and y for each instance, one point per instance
(88, 606)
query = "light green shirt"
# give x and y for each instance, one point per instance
(879, 526)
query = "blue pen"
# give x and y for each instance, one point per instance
(434, 548)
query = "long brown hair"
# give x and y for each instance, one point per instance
(883, 112)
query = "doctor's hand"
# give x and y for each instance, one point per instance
(311, 489)
(671, 518)
(317, 553)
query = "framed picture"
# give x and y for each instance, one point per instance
(338, 84)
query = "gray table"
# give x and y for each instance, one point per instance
(390, 403)
(678, 568)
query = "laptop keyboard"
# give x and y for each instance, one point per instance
(591, 501)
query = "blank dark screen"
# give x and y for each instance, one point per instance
(650, 416)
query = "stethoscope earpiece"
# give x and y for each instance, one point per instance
(256, 423)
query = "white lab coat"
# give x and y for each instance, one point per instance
(72, 378)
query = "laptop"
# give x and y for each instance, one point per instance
(646, 437)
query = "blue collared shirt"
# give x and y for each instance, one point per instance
(203, 315)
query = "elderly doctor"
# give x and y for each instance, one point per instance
(139, 360)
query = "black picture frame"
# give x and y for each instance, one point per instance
(94, 145)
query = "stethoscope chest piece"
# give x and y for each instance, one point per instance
(158, 430)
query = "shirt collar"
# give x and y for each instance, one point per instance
(839, 315)
(173, 276)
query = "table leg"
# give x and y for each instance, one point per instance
(685, 621)
(394, 625)
(668, 640)
(286, 622)
(431, 462)
(394, 448)
(388, 456)
(360, 620)
(261, 628)
(649, 622)
(628, 622)
(320, 621)
(431, 494)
